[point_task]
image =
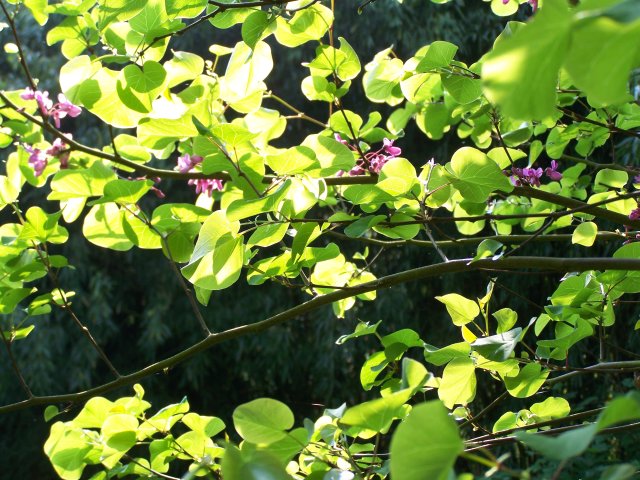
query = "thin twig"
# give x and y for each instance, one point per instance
(14, 365)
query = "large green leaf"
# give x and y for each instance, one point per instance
(426, 444)
(458, 384)
(475, 175)
(263, 421)
(376, 416)
(521, 73)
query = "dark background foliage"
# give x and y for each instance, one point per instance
(137, 311)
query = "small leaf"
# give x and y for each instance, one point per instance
(50, 412)
(487, 248)
(461, 309)
(498, 347)
(585, 234)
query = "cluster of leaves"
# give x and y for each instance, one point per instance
(556, 84)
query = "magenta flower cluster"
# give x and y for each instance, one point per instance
(531, 176)
(58, 111)
(187, 163)
(372, 161)
(38, 159)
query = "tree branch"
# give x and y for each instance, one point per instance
(453, 266)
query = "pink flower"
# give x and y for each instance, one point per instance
(60, 110)
(28, 94)
(339, 139)
(552, 171)
(61, 150)
(44, 102)
(390, 149)
(63, 108)
(636, 179)
(534, 4)
(635, 214)
(37, 159)
(187, 162)
(526, 176)
(207, 185)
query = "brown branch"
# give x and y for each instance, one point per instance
(453, 266)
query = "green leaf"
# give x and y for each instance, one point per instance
(308, 24)
(125, 192)
(552, 407)
(564, 446)
(267, 235)
(254, 27)
(376, 416)
(521, 73)
(609, 178)
(50, 412)
(67, 184)
(622, 471)
(207, 426)
(527, 382)
(602, 54)
(67, 449)
(438, 55)
(232, 135)
(363, 225)
(476, 176)
(440, 356)
(620, 410)
(458, 384)
(251, 465)
(461, 309)
(294, 160)
(506, 318)
(426, 444)
(219, 268)
(241, 209)
(487, 248)
(119, 431)
(498, 347)
(139, 87)
(397, 177)
(350, 67)
(263, 421)
(585, 234)
(103, 227)
(462, 88)
(362, 329)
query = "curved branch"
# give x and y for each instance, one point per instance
(453, 266)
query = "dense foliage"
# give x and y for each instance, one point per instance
(547, 123)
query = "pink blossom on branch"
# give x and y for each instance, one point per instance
(61, 150)
(552, 171)
(187, 163)
(207, 185)
(63, 108)
(58, 111)
(372, 161)
(37, 159)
